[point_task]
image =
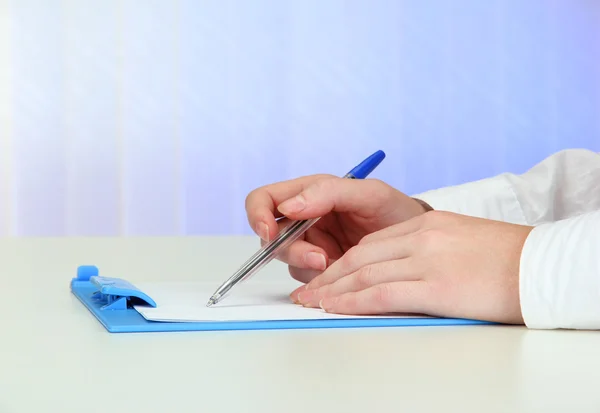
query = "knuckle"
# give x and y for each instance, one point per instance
(378, 185)
(365, 277)
(430, 217)
(321, 177)
(351, 258)
(384, 294)
(319, 191)
(365, 240)
(323, 186)
(427, 239)
(378, 190)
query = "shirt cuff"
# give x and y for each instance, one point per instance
(560, 274)
(492, 198)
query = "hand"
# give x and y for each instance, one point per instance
(350, 209)
(439, 264)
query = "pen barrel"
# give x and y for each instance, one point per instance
(268, 252)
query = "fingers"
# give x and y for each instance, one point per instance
(361, 256)
(304, 276)
(396, 297)
(366, 197)
(366, 277)
(302, 254)
(261, 204)
(313, 250)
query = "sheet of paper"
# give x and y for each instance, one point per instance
(186, 302)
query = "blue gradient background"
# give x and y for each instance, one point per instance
(158, 117)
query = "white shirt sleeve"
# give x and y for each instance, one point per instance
(560, 262)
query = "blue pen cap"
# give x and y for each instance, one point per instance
(367, 166)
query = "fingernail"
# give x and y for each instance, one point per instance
(302, 296)
(296, 204)
(306, 298)
(316, 260)
(263, 231)
(294, 294)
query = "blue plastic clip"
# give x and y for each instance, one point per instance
(114, 293)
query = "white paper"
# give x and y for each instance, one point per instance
(186, 302)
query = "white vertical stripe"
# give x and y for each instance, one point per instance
(90, 133)
(6, 150)
(39, 142)
(119, 134)
(178, 185)
(147, 109)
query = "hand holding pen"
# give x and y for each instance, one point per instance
(334, 214)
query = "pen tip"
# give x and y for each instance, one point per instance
(210, 302)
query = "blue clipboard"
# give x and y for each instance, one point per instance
(111, 301)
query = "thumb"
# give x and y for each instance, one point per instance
(367, 197)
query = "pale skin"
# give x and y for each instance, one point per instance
(377, 251)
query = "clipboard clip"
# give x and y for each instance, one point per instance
(113, 293)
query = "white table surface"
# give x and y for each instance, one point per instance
(55, 356)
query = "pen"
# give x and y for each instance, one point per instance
(287, 236)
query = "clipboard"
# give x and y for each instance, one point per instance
(111, 301)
